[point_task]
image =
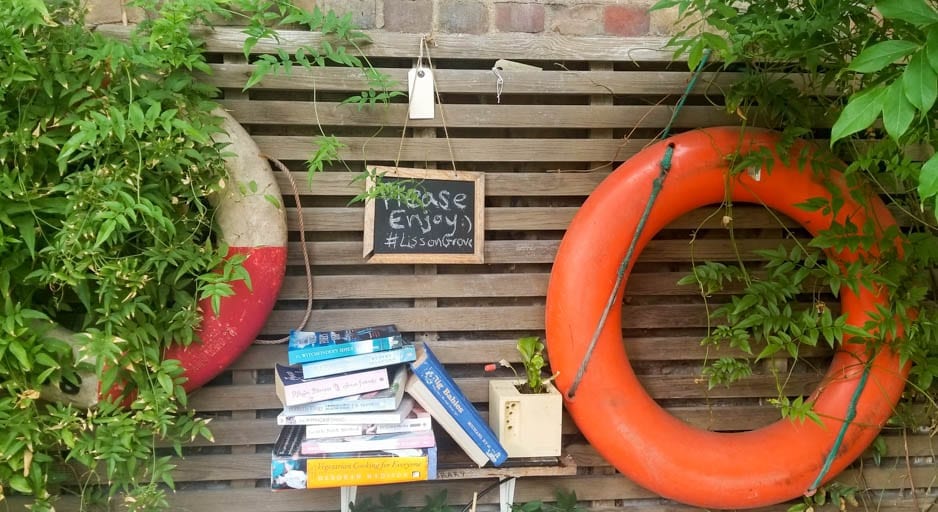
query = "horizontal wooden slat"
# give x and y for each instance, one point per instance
(262, 396)
(569, 183)
(543, 251)
(686, 348)
(390, 149)
(531, 218)
(547, 46)
(473, 116)
(427, 286)
(469, 318)
(246, 466)
(589, 488)
(552, 81)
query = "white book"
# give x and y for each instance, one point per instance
(419, 391)
(395, 416)
(417, 421)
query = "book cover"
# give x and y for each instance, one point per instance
(310, 346)
(356, 468)
(371, 442)
(417, 421)
(385, 400)
(422, 395)
(404, 354)
(431, 372)
(293, 389)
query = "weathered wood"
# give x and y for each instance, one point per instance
(261, 396)
(530, 218)
(535, 148)
(391, 149)
(475, 351)
(554, 81)
(547, 46)
(477, 318)
(543, 251)
(472, 116)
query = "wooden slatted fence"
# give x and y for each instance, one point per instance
(554, 135)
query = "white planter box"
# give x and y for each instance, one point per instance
(527, 425)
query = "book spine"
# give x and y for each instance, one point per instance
(431, 372)
(419, 424)
(368, 443)
(335, 472)
(321, 430)
(298, 472)
(361, 362)
(334, 419)
(338, 386)
(312, 353)
(327, 431)
(329, 407)
(418, 390)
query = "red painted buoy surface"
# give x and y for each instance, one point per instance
(252, 222)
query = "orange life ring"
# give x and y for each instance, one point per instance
(658, 451)
(250, 223)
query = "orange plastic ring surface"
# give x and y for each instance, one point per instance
(761, 467)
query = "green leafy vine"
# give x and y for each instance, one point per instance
(106, 163)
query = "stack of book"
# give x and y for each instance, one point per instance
(346, 420)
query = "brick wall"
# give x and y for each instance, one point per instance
(625, 18)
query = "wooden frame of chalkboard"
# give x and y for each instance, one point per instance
(449, 227)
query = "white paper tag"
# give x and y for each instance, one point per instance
(420, 93)
(510, 65)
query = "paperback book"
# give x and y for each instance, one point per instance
(404, 354)
(357, 468)
(311, 346)
(396, 441)
(427, 400)
(417, 421)
(448, 400)
(293, 389)
(387, 400)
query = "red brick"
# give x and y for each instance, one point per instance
(408, 15)
(623, 20)
(514, 17)
(463, 17)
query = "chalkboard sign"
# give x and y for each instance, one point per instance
(446, 226)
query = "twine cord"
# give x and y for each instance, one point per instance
(664, 167)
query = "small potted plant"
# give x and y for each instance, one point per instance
(525, 413)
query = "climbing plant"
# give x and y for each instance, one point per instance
(869, 70)
(106, 162)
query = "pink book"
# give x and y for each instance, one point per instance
(398, 441)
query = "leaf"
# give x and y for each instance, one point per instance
(920, 82)
(931, 48)
(26, 225)
(928, 178)
(898, 112)
(875, 58)
(20, 484)
(17, 350)
(861, 111)
(916, 12)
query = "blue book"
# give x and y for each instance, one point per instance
(429, 371)
(310, 346)
(359, 362)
